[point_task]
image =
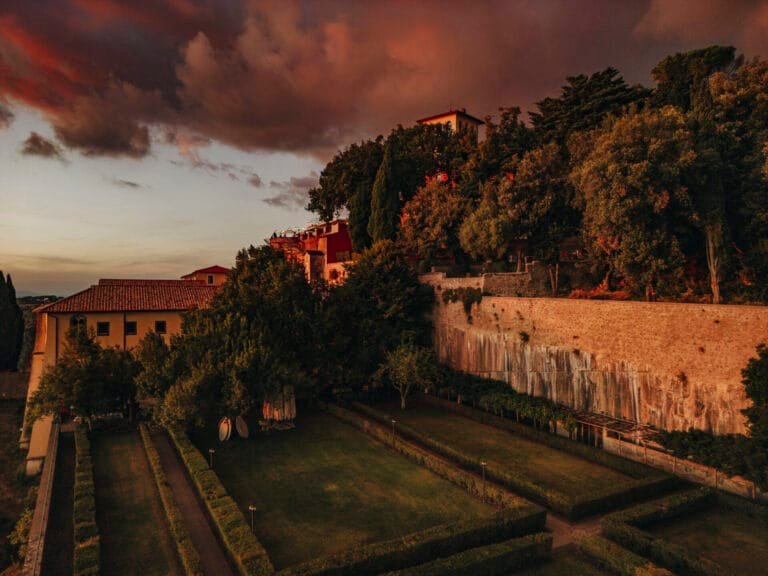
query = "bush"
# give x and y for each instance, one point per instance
(178, 527)
(502, 558)
(572, 508)
(248, 554)
(424, 546)
(469, 482)
(618, 560)
(625, 528)
(87, 549)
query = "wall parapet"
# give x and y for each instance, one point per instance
(668, 365)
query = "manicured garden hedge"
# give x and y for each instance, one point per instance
(625, 528)
(572, 508)
(501, 558)
(86, 558)
(178, 527)
(249, 555)
(618, 560)
(424, 546)
(470, 482)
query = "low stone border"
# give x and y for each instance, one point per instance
(33, 562)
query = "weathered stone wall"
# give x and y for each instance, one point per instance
(669, 365)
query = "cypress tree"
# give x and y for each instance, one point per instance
(11, 325)
(385, 201)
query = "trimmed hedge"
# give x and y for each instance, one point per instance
(86, 557)
(249, 555)
(424, 546)
(470, 482)
(618, 560)
(625, 528)
(572, 508)
(178, 527)
(490, 560)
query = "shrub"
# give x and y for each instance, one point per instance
(467, 296)
(178, 527)
(421, 547)
(489, 560)
(618, 560)
(625, 528)
(86, 558)
(246, 551)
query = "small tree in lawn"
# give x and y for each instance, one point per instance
(755, 379)
(408, 367)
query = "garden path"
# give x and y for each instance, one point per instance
(211, 553)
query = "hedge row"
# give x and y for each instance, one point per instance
(570, 507)
(625, 528)
(617, 560)
(596, 455)
(86, 558)
(502, 558)
(249, 555)
(178, 527)
(424, 546)
(486, 491)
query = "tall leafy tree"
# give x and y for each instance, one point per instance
(681, 79)
(483, 233)
(385, 200)
(431, 221)
(92, 379)
(633, 185)
(258, 335)
(11, 325)
(381, 305)
(583, 104)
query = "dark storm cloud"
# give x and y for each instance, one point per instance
(6, 116)
(36, 145)
(292, 194)
(312, 76)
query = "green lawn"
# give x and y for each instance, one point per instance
(325, 487)
(732, 539)
(564, 562)
(132, 524)
(552, 469)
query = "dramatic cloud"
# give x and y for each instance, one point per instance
(126, 183)
(36, 145)
(6, 117)
(292, 194)
(309, 77)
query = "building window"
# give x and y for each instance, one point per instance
(130, 328)
(102, 328)
(210, 278)
(77, 322)
(160, 326)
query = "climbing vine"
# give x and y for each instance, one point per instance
(467, 296)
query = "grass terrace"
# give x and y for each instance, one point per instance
(564, 562)
(732, 538)
(134, 534)
(325, 487)
(552, 469)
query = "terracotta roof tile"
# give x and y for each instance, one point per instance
(135, 296)
(209, 270)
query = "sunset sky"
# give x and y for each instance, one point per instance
(149, 138)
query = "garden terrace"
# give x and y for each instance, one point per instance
(324, 488)
(695, 532)
(572, 479)
(133, 529)
(565, 561)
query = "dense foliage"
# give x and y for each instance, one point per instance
(11, 325)
(662, 191)
(87, 378)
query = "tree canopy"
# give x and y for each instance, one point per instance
(11, 325)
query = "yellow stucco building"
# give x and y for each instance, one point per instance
(458, 120)
(120, 313)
